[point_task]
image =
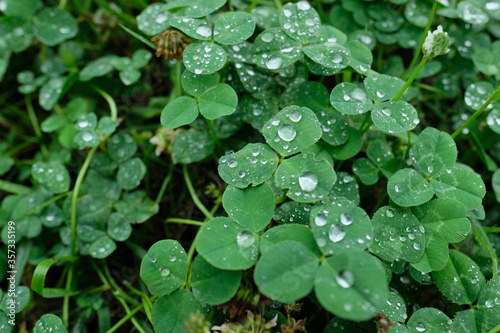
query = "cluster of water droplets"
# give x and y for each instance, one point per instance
(301, 22)
(204, 57)
(273, 49)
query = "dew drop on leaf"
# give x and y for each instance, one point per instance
(416, 246)
(274, 63)
(232, 163)
(245, 239)
(420, 327)
(397, 188)
(320, 220)
(295, 116)
(346, 219)
(287, 132)
(165, 272)
(308, 181)
(336, 233)
(345, 279)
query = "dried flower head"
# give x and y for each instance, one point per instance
(170, 44)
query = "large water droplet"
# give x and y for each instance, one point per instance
(303, 5)
(397, 188)
(336, 233)
(320, 220)
(346, 219)
(287, 132)
(165, 272)
(416, 246)
(274, 63)
(295, 116)
(390, 213)
(204, 31)
(308, 181)
(337, 58)
(232, 163)
(380, 94)
(420, 327)
(267, 37)
(245, 239)
(345, 279)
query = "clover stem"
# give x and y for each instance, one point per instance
(213, 134)
(482, 238)
(231, 8)
(346, 76)
(412, 77)
(184, 221)
(178, 72)
(62, 3)
(165, 183)
(278, 4)
(34, 123)
(48, 202)
(111, 102)
(9, 187)
(422, 40)
(408, 146)
(321, 11)
(495, 329)
(190, 255)
(192, 192)
(363, 124)
(494, 96)
(252, 6)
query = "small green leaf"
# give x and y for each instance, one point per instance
(226, 245)
(129, 76)
(196, 85)
(200, 8)
(349, 149)
(307, 179)
(335, 127)
(141, 58)
(179, 112)
(171, 311)
(395, 117)
(118, 227)
(196, 28)
(220, 100)
(16, 33)
(136, 207)
(429, 320)
(408, 188)
(434, 152)
(97, 68)
(362, 57)
(102, 247)
(395, 307)
(461, 280)
(489, 297)
(22, 8)
(154, 19)
(49, 323)
(398, 235)
(6, 164)
(346, 187)
(340, 228)
(192, 146)
(164, 267)
(351, 285)
(379, 152)
(286, 272)
(436, 254)
(273, 49)
(53, 26)
(285, 232)
(493, 120)
(477, 94)
(471, 12)
(301, 22)
(495, 183)
(252, 207)
(106, 125)
(254, 164)
(462, 184)
(329, 54)
(131, 173)
(121, 147)
(445, 216)
(212, 285)
(292, 129)
(53, 176)
(52, 123)
(292, 212)
(50, 92)
(21, 299)
(383, 87)
(348, 98)
(233, 28)
(366, 171)
(86, 139)
(204, 57)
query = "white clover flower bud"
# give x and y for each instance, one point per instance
(436, 43)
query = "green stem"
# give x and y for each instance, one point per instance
(164, 184)
(122, 321)
(410, 80)
(190, 255)
(321, 11)
(495, 329)
(347, 76)
(407, 147)
(34, 123)
(184, 221)
(422, 40)
(278, 4)
(111, 102)
(178, 68)
(493, 97)
(213, 133)
(252, 6)
(192, 192)
(48, 202)
(482, 238)
(365, 121)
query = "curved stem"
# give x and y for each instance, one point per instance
(476, 114)
(252, 6)
(165, 183)
(482, 238)
(422, 40)
(184, 221)
(410, 80)
(192, 192)
(111, 102)
(34, 123)
(48, 202)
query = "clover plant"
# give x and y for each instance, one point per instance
(250, 166)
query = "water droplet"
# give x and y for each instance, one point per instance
(165, 272)
(416, 246)
(345, 279)
(245, 239)
(320, 220)
(287, 133)
(232, 163)
(295, 116)
(389, 213)
(420, 327)
(173, 258)
(204, 31)
(397, 188)
(303, 5)
(337, 58)
(87, 137)
(274, 63)
(387, 112)
(308, 181)
(380, 94)
(346, 219)
(430, 168)
(267, 37)
(336, 233)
